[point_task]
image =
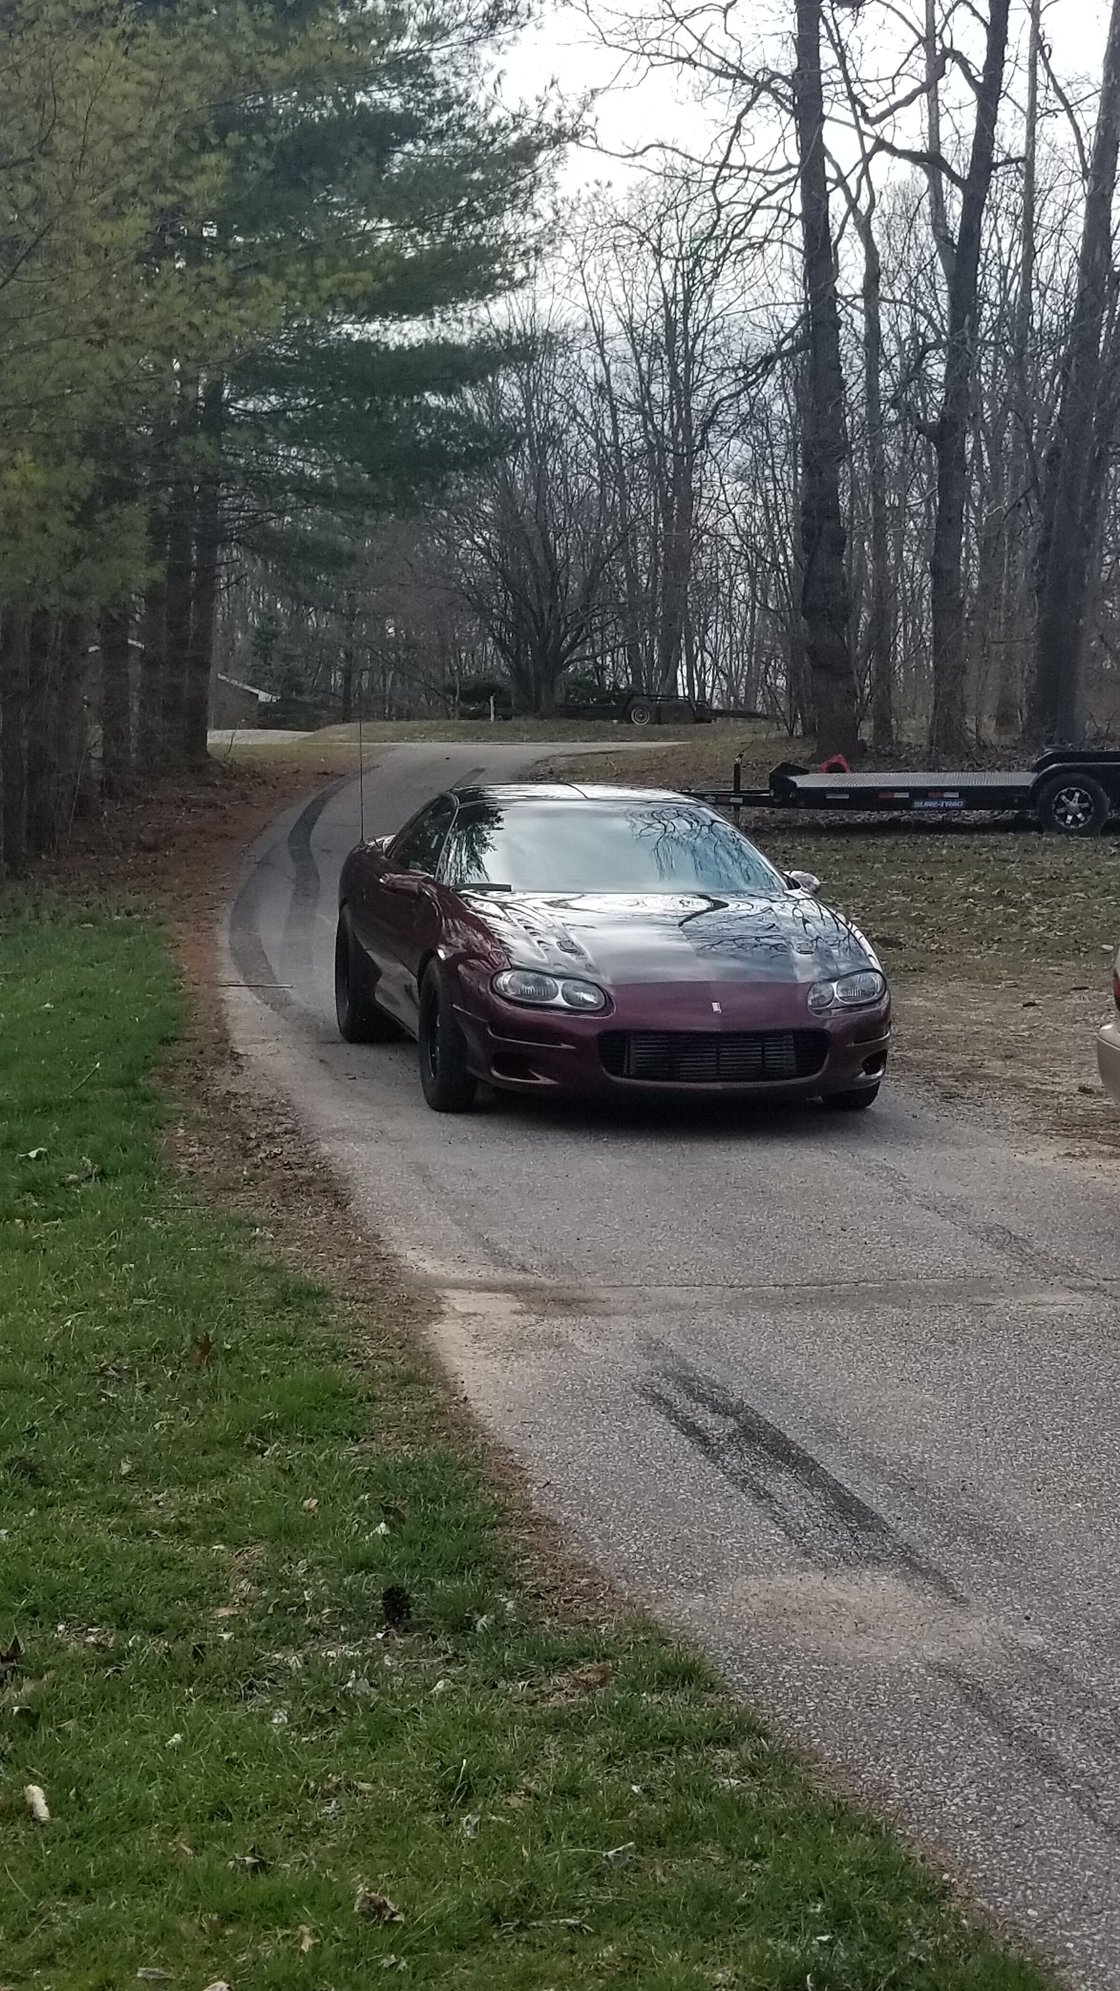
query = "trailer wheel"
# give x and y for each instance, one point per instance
(1073, 805)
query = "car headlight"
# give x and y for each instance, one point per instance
(547, 992)
(582, 995)
(848, 991)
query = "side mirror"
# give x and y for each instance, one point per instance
(804, 881)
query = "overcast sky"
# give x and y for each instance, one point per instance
(632, 109)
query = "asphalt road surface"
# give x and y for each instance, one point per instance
(840, 1397)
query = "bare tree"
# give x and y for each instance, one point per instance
(534, 539)
(948, 732)
(825, 605)
(668, 373)
(1075, 463)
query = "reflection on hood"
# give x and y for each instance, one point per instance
(620, 940)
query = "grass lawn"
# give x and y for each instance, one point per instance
(273, 1647)
(336, 747)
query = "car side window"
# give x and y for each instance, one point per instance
(420, 846)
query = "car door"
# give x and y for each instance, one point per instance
(398, 920)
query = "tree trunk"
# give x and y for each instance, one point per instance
(13, 736)
(71, 739)
(348, 662)
(42, 732)
(678, 528)
(150, 740)
(880, 618)
(204, 590)
(825, 606)
(1009, 686)
(948, 735)
(116, 699)
(178, 599)
(180, 583)
(1070, 485)
(939, 219)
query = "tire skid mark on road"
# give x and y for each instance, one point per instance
(820, 1516)
(1019, 1732)
(952, 1210)
(784, 1298)
(306, 887)
(247, 949)
(835, 1530)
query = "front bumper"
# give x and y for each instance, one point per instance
(526, 1050)
(1108, 1058)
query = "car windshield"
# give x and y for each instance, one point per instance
(640, 848)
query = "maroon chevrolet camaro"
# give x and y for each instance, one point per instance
(603, 942)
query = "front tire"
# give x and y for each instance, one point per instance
(359, 1019)
(446, 1080)
(856, 1101)
(1074, 805)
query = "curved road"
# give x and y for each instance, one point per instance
(840, 1398)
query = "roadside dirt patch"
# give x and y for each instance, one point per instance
(1024, 1064)
(165, 845)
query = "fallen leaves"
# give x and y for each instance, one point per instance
(375, 1907)
(576, 1684)
(588, 1679)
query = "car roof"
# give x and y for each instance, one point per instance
(574, 793)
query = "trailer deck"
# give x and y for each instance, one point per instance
(1069, 792)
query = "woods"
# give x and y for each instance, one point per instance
(231, 249)
(816, 414)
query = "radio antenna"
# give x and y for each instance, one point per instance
(361, 765)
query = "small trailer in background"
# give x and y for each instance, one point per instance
(1068, 791)
(640, 708)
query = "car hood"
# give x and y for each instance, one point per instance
(620, 941)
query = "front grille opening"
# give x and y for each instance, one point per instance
(709, 1057)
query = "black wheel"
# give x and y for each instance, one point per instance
(641, 713)
(856, 1101)
(359, 1019)
(1073, 805)
(447, 1082)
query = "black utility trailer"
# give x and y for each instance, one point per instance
(1069, 792)
(640, 708)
